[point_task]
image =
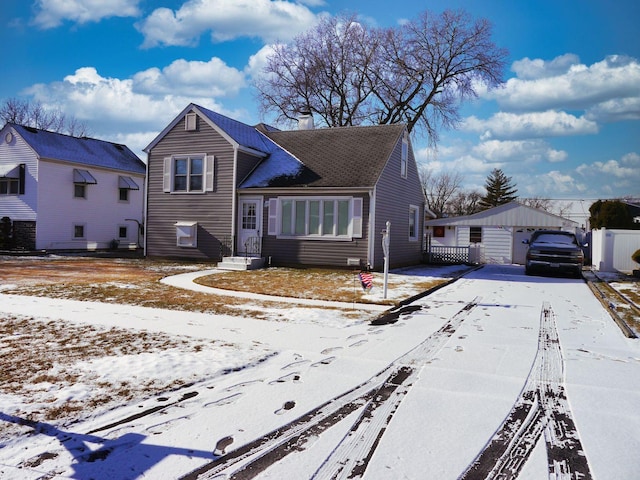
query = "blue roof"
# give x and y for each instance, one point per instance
(278, 162)
(243, 134)
(81, 150)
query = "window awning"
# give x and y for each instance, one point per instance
(10, 171)
(128, 183)
(83, 176)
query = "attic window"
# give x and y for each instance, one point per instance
(190, 122)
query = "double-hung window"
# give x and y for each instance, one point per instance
(316, 217)
(188, 173)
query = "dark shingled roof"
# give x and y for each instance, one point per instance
(81, 150)
(336, 157)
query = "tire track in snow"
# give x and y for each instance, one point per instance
(379, 397)
(542, 408)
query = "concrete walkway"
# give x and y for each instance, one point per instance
(187, 282)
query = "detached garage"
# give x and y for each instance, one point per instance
(494, 235)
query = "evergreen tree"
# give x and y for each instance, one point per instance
(500, 190)
(611, 214)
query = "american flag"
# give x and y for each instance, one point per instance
(366, 279)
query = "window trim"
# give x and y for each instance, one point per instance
(414, 213)
(84, 231)
(404, 156)
(10, 182)
(84, 190)
(208, 176)
(13, 176)
(126, 231)
(472, 234)
(353, 211)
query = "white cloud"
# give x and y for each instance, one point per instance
(551, 184)
(565, 84)
(614, 177)
(628, 168)
(528, 151)
(270, 20)
(618, 109)
(528, 69)
(203, 79)
(111, 105)
(51, 13)
(257, 62)
(551, 123)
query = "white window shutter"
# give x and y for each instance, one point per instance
(209, 169)
(356, 217)
(272, 228)
(166, 179)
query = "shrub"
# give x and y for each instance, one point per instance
(636, 256)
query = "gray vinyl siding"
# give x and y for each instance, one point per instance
(394, 195)
(212, 210)
(319, 253)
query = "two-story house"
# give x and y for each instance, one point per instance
(69, 193)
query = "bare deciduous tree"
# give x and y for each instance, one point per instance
(439, 188)
(327, 70)
(464, 203)
(35, 115)
(349, 74)
(435, 63)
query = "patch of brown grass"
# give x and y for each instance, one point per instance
(310, 283)
(38, 355)
(124, 281)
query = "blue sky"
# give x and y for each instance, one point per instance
(566, 123)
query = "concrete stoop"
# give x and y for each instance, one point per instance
(241, 263)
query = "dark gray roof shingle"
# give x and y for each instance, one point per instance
(333, 157)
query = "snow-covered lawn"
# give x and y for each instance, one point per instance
(460, 357)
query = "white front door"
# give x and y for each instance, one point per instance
(249, 225)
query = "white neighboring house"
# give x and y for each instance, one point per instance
(499, 231)
(69, 193)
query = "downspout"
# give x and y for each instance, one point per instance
(372, 224)
(234, 194)
(145, 206)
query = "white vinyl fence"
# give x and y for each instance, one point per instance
(611, 250)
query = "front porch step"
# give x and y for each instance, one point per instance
(241, 263)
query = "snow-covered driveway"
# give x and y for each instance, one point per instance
(535, 359)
